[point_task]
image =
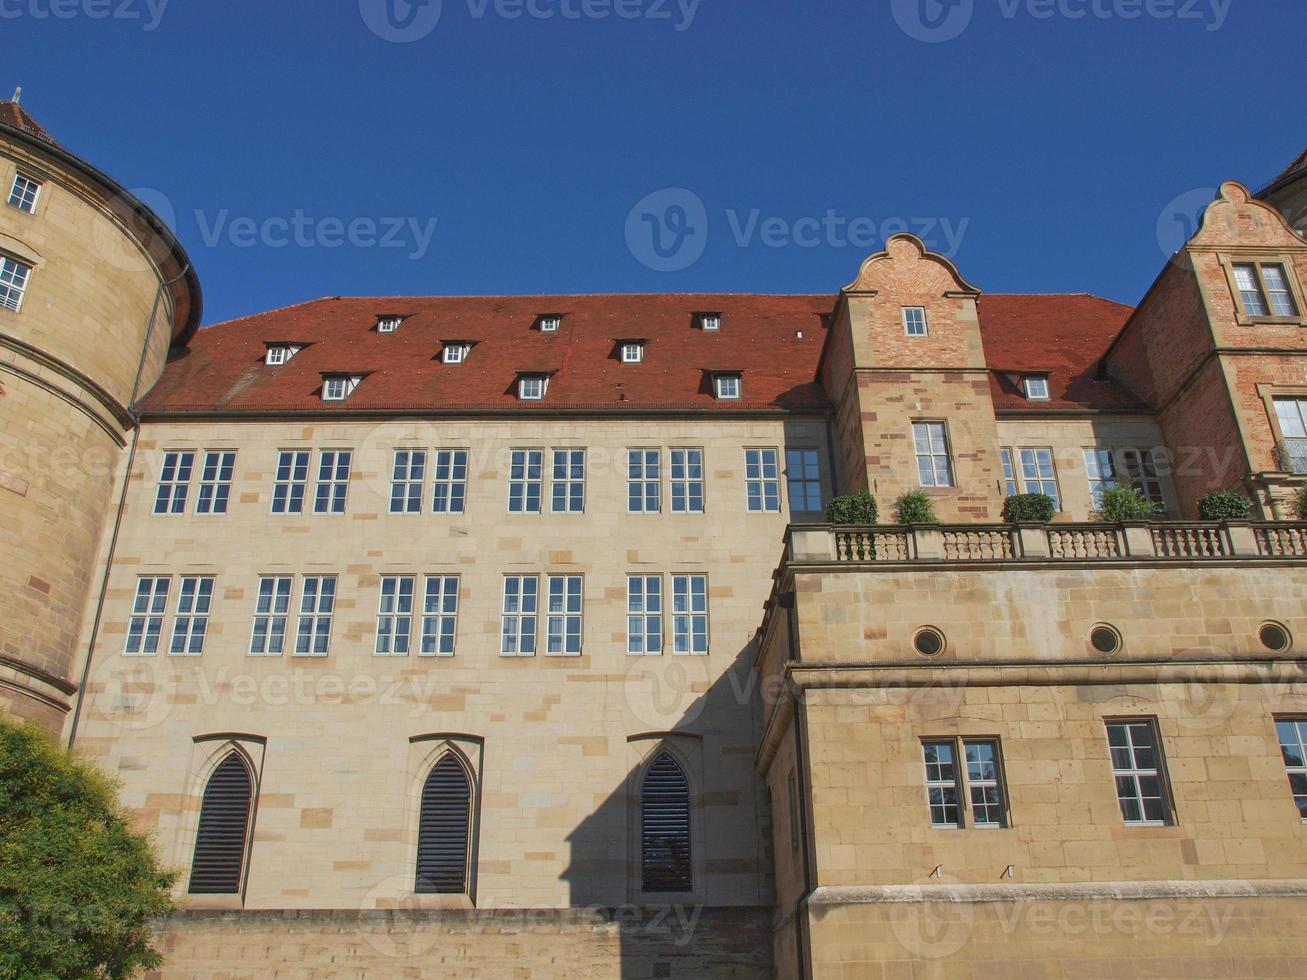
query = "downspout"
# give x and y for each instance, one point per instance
(801, 938)
(122, 503)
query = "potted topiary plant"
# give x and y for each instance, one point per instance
(1122, 505)
(855, 508)
(1029, 508)
(1224, 505)
(915, 507)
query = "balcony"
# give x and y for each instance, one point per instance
(1008, 544)
(1291, 456)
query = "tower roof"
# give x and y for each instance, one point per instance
(14, 115)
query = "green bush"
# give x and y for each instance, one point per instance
(1300, 504)
(78, 889)
(856, 508)
(915, 507)
(1224, 505)
(1029, 508)
(1125, 504)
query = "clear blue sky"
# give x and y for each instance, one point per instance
(1044, 149)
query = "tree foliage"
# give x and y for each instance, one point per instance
(1122, 504)
(1029, 508)
(856, 508)
(915, 507)
(78, 888)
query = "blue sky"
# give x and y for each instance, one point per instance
(366, 147)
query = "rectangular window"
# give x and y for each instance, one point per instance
(549, 323)
(569, 481)
(1293, 746)
(914, 321)
(317, 603)
(531, 389)
(632, 353)
(1009, 472)
(1278, 292)
(25, 192)
(1038, 475)
(335, 389)
(389, 324)
(440, 616)
(984, 786)
(644, 481)
(408, 481)
(270, 612)
(978, 782)
(174, 482)
(450, 495)
(1291, 413)
(687, 481)
(930, 439)
(146, 624)
(1141, 471)
(942, 784)
(710, 322)
(690, 614)
(525, 480)
(1250, 290)
(330, 494)
(728, 386)
(564, 617)
(519, 619)
(192, 622)
(1137, 769)
(13, 283)
(277, 356)
(454, 353)
(1101, 470)
(1036, 389)
(803, 480)
(762, 480)
(395, 615)
(292, 480)
(1264, 289)
(215, 482)
(644, 614)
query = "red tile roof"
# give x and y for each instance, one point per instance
(1063, 336)
(12, 114)
(223, 370)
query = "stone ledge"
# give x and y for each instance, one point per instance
(831, 895)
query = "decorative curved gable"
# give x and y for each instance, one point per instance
(906, 258)
(1238, 218)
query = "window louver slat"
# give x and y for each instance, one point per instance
(665, 828)
(224, 824)
(443, 830)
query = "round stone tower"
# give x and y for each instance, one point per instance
(94, 289)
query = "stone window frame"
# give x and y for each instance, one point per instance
(425, 752)
(687, 749)
(908, 324)
(1229, 260)
(949, 455)
(1268, 393)
(1297, 720)
(1172, 817)
(31, 179)
(962, 782)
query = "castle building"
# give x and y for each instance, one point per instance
(506, 636)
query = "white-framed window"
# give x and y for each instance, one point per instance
(564, 615)
(292, 481)
(148, 609)
(687, 481)
(1100, 467)
(1039, 474)
(174, 481)
(317, 604)
(690, 614)
(978, 781)
(1141, 470)
(194, 601)
(271, 610)
(1292, 733)
(395, 615)
(440, 616)
(727, 387)
(644, 481)
(914, 321)
(1277, 290)
(388, 324)
(930, 441)
(632, 352)
(549, 322)
(215, 482)
(332, 490)
(408, 481)
(1264, 289)
(644, 614)
(803, 480)
(711, 322)
(25, 193)
(525, 480)
(1291, 413)
(1009, 472)
(279, 354)
(1138, 771)
(568, 484)
(454, 353)
(1035, 387)
(518, 623)
(336, 388)
(13, 283)
(762, 482)
(450, 494)
(531, 387)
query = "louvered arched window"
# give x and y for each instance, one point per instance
(444, 830)
(220, 844)
(665, 827)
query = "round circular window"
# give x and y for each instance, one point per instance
(929, 642)
(1105, 639)
(1275, 637)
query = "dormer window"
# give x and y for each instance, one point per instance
(1035, 387)
(388, 324)
(25, 192)
(279, 354)
(455, 351)
(632, 351)
(531, 387)
(550, 322)
(727, 387)
(338, 387)
(710, 322)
